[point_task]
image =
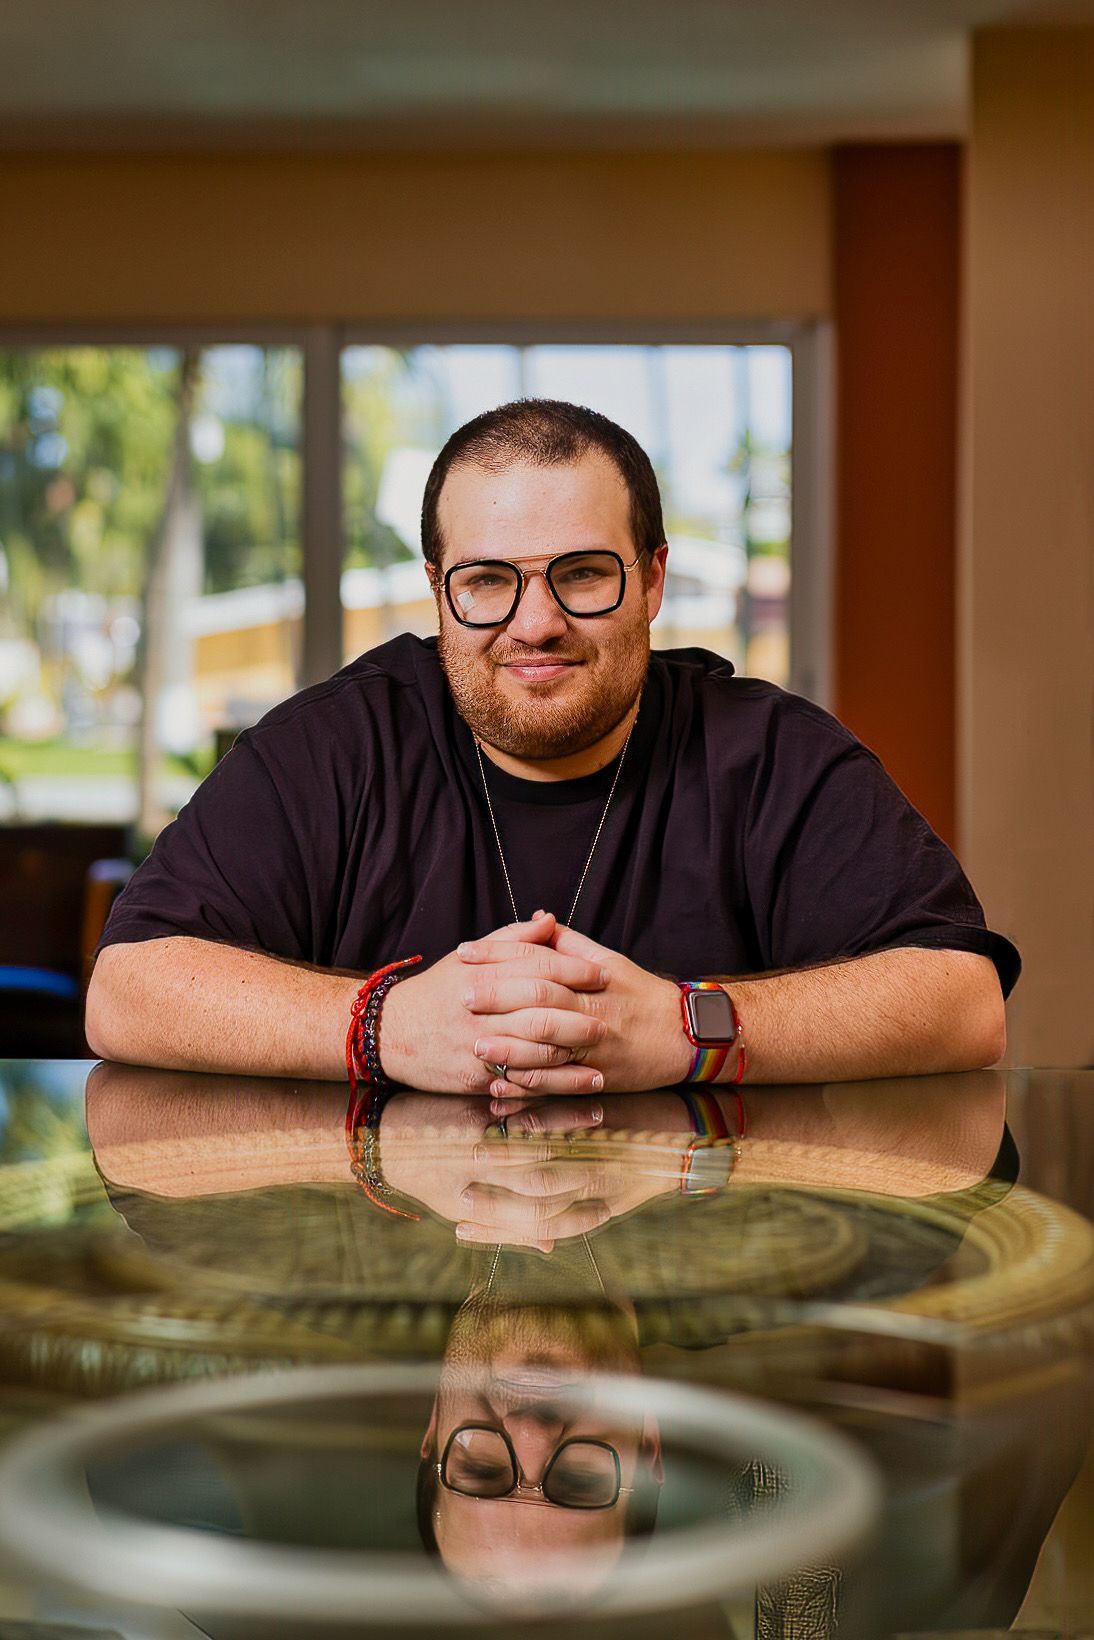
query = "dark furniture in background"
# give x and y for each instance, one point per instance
(57, 884)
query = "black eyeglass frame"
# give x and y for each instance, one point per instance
(519, 1489)
(522, 581)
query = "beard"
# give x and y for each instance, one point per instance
(538, 727)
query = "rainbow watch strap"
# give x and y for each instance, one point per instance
(706, 1064)
(707, 1121)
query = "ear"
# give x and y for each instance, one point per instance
(655, 580)
(429, 1439)
(650, 1448)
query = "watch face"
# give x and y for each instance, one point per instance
(709, 1168)
(711, 1016)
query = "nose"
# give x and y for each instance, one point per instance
(537, 617)
(535, 1433)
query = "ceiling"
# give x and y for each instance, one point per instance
(283, 74)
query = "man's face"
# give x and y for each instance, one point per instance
(546, 684)
(516, 1368)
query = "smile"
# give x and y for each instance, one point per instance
(539, 671)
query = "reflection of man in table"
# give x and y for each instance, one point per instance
(243, 1185)
(525, 1463)
(672, 818)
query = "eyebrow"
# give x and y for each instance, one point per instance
(531, 557)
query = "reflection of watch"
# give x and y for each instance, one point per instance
(711, 1026)
(708, 1164)
(711, 1156)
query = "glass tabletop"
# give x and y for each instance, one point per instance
(832, 1378)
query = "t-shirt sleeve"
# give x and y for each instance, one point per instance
(228, 869)
(840, 864)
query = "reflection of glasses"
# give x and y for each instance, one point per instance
(479, 1462)
(487, 591)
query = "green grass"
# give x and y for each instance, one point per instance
(19, 758)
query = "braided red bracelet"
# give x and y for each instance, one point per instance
(363, 1065)
(363, 1037)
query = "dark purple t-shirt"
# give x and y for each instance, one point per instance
(749, 831)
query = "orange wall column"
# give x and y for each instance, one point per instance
(896, 272)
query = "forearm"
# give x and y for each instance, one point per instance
(908, 1012)
(189, 1004)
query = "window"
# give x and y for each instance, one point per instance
(151, 571)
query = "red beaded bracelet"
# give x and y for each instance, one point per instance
(363, 1037)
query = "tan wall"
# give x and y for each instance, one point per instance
(1026, 645)
(266, 238)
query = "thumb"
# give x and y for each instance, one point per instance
(538, 931)
(573, 944)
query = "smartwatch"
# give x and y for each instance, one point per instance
(712, 1027)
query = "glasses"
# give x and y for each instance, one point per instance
(479, 1462)
(487, 591)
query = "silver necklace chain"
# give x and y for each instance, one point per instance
(588, 1249)
(596, 837)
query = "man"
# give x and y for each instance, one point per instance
(674, 822)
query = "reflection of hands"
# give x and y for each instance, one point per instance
(526, 1191)
(641, 1042)
(523, 1004)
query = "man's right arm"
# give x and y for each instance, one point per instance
(190, 1004)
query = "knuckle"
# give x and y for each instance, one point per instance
(531, 1079)
(541, 1024)
(549, 1054)
(541, 993)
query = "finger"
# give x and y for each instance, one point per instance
(573, 944)
(556, 1079)
(537, 930)
(470, 1232)
(555, 1180)
(541, 961)
(511, 1039)
(489, 1203)
(547, 1116)
(497, 1158)
(535, 1219)
(496, 992)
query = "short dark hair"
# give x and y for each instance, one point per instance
(546, 433)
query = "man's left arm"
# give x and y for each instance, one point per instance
(903, 1012)
(907, 1012)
